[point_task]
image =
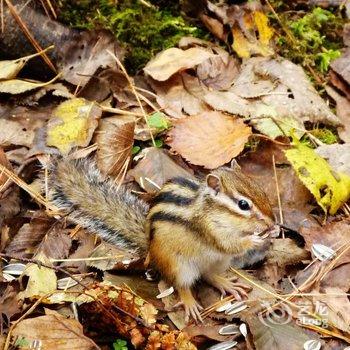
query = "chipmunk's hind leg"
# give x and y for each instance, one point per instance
(191, 306)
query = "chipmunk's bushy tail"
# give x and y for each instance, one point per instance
(78, 188)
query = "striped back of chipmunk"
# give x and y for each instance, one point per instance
(175, 204)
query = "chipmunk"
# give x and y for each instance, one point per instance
(192, 229)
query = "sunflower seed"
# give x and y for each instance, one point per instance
(165, 293)
(223, 307)
(14, 269)
(66, 282)
(312, 344)
(236, 307)
(224, 345)
(322, 252)
(229, 329)
(8, 278)
(243, 329)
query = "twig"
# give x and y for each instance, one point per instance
(270, 139)
(278, 191)
(18, 181)
(39, 263)
(135, 93)
(28, 34)
(15, 323)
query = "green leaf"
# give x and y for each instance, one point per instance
(158, 143)
(135, 150)
(159, 121)
(330, 189)
(120, 344)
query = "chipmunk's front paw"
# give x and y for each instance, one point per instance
(191, 306)
(225, 285)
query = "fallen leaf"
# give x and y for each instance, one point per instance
(330, 189)
(4, 161)
(72, 124)
(29, 236)
(173, 60)
(115, 138)
(17, 86)
(337, 311)
(341, 65)
(10, 68)
(41, 280)
(246, 46)
(10, 304)
(276, 334)
(343, 113)
(63, 334)
(337, 155)
(112, 255)
(13, 132)
(155, 169)
(177, 95)
(209, 139)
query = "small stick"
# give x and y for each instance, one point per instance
(135, 93)
(278, 192)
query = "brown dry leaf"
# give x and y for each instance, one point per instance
(173, 60)
(155, 169)
(10, 204)
(56, 243)
(208, 139)
(115, 138)
(218, 72)
(341, 65)
(112, 255)
(337, 311)
(343, 113)
(4, 161)
(29, 236)
(333, 235)
(179, 95)
(18, 131)
(10, 304)
(86, 244)
(337, 155)
(277, 335)
(284, 93)
(63, 334)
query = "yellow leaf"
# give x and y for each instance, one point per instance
(240, 44)
(72, 124)
(262, 24)
(42, 280)
(330, 189)
(10, 69)
(18, 86)
(244, 41)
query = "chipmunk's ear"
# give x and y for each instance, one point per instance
(234, 164)
(214, 182)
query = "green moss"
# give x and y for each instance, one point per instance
(325, 135)
(317, 34)
(144, 30)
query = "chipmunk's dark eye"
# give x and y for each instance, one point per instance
(243, 204)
